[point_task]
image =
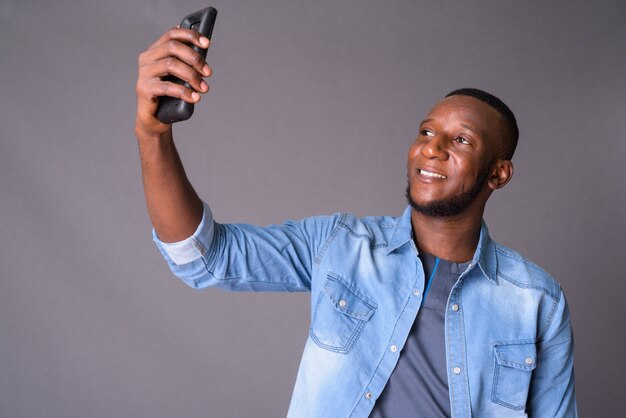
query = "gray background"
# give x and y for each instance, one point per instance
(312, 109)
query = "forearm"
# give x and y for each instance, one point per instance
(173, 205)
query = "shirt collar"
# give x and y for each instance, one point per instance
(484, 257)
(403, 232)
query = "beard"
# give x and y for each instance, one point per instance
(452, 206)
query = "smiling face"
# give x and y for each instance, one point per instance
(454, 163)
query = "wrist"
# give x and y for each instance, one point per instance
(158, 133)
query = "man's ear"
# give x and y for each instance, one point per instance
(501, 174)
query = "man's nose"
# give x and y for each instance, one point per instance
(436, 148)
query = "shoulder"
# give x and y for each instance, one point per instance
(520, 271)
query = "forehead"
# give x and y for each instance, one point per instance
(468, 112)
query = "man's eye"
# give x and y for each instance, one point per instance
(462, 140)
(426, 132)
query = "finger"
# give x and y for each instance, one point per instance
(172, 66)
(183, 35)
(181, 51)
(155, 88)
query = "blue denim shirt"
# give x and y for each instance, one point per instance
(509, 345)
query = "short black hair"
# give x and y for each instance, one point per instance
(510, 124)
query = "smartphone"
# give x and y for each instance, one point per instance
(171, 109)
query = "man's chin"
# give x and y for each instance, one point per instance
(442, 208)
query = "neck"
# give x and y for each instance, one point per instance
(454, 239)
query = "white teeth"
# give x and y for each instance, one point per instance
(429, 174)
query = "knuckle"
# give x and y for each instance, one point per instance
(142, 89)
(170, 63)
(140, 85)
(144, 59)
(142, 73)
(171, 45)
(172, 32)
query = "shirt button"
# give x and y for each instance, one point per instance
(393, 348)
(457, 370)
(342, 303)
(529, 361)
(455, 307)
(416, 292)
(368, 395)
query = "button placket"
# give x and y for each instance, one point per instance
(455, 340)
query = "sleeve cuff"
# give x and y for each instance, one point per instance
(194, 247)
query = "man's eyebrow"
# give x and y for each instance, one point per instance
(470, 127)
(465, 125)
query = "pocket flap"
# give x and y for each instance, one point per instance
(348, 301)
(521, 356)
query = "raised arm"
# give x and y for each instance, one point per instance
(198, 250)
(173, 205)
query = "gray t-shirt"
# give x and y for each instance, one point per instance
(418, 386)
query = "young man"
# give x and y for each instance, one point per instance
(417, 315)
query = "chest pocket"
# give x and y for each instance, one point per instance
(340, 315)
(515, 361)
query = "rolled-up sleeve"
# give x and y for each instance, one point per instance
(192, 248)
(246, 257)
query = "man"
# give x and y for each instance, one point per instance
(418, 315)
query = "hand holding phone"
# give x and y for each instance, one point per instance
(171, 109)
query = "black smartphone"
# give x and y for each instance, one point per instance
(171, 109)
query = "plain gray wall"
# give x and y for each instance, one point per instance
(312, 108)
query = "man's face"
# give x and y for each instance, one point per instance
(450, 162)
